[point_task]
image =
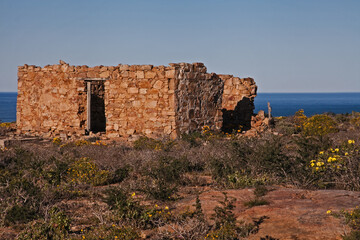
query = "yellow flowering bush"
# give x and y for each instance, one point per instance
(299, 119)
(81, 142)
(319, 125)
(355, 121)
(350, 218)
(56, 141)
(337, 165)
(85, 171)
(5, 125)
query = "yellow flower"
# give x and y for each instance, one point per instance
(328, 212)
(133, 194)
(322, 152)
(166, 208)
(312, 164)
(336, 149)
(317, 168)
(346, 154)
(351, 141)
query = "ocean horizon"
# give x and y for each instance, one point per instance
(282, 104)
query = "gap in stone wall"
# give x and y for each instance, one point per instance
(98, 120)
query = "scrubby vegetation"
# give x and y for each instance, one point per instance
(97, 190)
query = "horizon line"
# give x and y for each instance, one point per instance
(257, 92)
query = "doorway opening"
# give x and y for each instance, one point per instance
(96, 121)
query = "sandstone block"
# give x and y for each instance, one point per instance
(158, 84)
(133, 90)
(143, 90)
(105, 74)
(170, 74)
(150, 74)
(150, 104)
(140, 74)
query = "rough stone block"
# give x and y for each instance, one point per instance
(133, 90)
(170, 73)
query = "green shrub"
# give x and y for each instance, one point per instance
(226, 226)
(260, 190)
(242, 180)
(223, 213)
(352, 219)
(56, 228)
(319, 125)
(194, 138)
(110, 233)
(338, 167)
(20, 214)
(128, 209)
(148, 143)
(255, 202)
(355, 121)
(120, 174)
(85, 171)
(125, 205)
(165, 175)
(56, 173)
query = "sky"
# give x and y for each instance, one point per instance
(285, 45)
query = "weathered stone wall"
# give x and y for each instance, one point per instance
(50, 101)
(138, 99)
(237, 102)
(197, 97)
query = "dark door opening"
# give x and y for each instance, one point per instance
(96, 104)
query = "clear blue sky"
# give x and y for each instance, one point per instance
(285, 45)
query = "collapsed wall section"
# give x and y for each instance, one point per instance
(237, 102)
(197, 98)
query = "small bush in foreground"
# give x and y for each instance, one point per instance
(338, 167)
(165, 175)
(56, 228)
(85, 171)
(226, 227)
(352, 219)
(110, 233)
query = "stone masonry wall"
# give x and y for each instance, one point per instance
(237, 102)
(50, 102)
(197, 97)
(138, 99)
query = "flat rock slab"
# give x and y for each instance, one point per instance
(292, 213)
(16, 141)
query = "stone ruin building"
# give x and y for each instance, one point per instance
(125, 100)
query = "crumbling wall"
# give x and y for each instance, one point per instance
(237, 102)
(130, 99)
(197, 97)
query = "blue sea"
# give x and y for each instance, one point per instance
(282, 104)
(8, 106)
(286, 104)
